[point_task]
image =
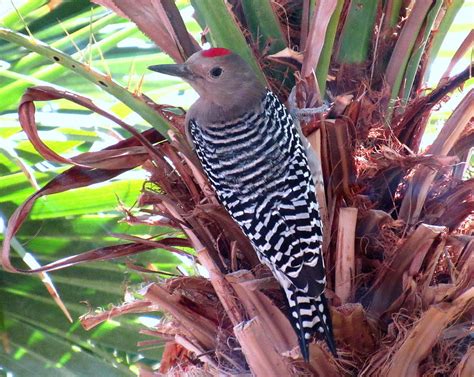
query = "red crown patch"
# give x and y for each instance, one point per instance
(216, 51)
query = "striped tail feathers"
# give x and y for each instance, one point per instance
(310, 315)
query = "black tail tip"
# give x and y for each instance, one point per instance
(304, 347)
(332, 346)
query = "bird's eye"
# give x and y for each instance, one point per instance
(215, 72)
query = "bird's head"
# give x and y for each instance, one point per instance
(218, 75)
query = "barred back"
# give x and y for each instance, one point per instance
(259, 170)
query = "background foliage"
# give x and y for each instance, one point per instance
(36, 337)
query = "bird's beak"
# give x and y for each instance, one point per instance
(179, 70)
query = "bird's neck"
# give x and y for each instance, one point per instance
(207, 112)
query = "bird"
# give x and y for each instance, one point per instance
(254, 158)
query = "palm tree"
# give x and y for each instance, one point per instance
(397, 242)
